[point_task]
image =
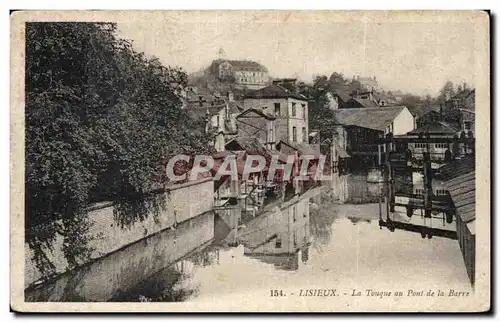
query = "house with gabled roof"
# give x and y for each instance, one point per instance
(358, 129)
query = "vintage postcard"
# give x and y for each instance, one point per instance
(250, 161)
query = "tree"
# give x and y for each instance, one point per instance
(101, 122)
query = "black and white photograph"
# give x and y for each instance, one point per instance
(250, 161)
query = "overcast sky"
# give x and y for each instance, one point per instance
(415, 57)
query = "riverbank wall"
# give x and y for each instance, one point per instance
(183, 202)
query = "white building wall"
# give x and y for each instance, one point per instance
(403, 123)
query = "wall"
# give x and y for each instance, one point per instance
(184, 201)
(403, 123)
(123, 270)
(300, 120)
(253, 125)
(251, 77)
(267, 105)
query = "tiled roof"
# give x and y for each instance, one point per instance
(462, 190)
(274, 91)
(201, 111)
(420, 111)
(435, 128)
(367, 103)
(372, 118)
(250, 145)
(256, 111)
(457, 168)
(247, 65)
(343, 94)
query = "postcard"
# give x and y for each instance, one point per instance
(250, 161)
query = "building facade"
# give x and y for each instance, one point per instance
(253, 123)
(244, 72)
(289, 108)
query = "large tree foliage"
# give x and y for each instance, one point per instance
(101, 122)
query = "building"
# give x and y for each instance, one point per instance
(243, 72)
(461, 186)
(337, 99)
(362, 100)
(465, 99)
(289, 108)
(277, 237)
(368, 83)
(439, 146)
(219, 115)
(254, 123)
(358, 130)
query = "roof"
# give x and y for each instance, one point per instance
(246, 65)
(457, 168)
(201, 111)
(435, 128)
(424, 109)
(235, 107)
(367, 103)
(372, 118)
(274, 91)
(250, 145)
(343, 94)
(462, 190)
(256, 111)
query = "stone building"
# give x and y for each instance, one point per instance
(243, 72)
(289, 108)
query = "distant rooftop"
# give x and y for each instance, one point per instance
(274, 91)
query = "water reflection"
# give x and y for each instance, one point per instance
(301, 243)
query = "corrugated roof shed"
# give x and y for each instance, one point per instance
(372, 118)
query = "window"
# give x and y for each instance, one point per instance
(419, 191)
(294, 134)
(277, 109)
(304, 135)
(441, 145)
(294, 213)
(270, 137)
(304, 111)
(420, 145)
(294, 240)
(441, 192)
(294, 109)
(467, 126)
(278, 242)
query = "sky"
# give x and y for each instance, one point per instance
(414, 55)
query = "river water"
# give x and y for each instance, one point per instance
(328, 238)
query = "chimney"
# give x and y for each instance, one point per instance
(465, 86)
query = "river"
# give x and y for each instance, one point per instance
(329, 238)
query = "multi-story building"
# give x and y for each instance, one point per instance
(289, 108)
(254, 123)
(243, 72)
